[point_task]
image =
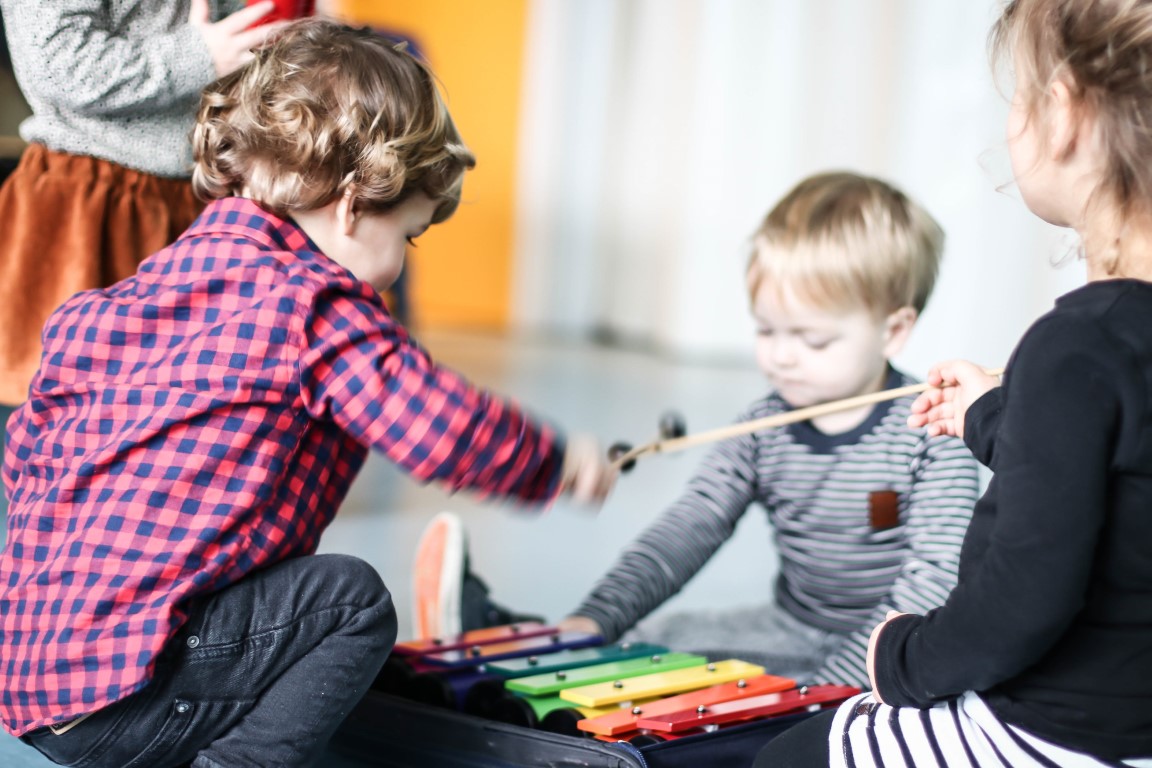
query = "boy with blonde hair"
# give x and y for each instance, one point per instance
(867, 514)
(192, 430)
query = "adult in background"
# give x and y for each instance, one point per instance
(113, 86)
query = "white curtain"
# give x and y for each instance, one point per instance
(657, 133)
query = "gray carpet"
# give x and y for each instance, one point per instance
(16, 754)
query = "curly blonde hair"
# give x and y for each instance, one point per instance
(840, 239)
(1102, 51)
(323, 109)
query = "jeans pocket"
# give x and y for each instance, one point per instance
(168, 737)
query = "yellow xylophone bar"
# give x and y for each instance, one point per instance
(660, 683)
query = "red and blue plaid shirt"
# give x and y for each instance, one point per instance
(202, 420)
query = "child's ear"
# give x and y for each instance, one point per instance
(1065, 121)
(346, 211)
(897, 329)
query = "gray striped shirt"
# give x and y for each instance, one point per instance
(115, 79)
(837, 572)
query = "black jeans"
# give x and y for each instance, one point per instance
(261, 675)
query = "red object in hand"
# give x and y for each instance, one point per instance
(286, 10)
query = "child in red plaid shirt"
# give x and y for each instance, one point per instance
(192, 430)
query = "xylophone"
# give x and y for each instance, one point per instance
(569, 691)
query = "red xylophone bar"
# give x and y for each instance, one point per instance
(767, 705)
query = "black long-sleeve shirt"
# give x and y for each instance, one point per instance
(1052, 618)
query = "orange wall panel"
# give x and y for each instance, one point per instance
(460, 273)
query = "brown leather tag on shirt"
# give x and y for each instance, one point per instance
(883, 509)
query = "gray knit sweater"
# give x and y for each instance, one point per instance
(114, 79)
(838, 571)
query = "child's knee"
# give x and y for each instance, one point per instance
(352, 576)
(356, 581)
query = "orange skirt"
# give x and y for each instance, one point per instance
(69, 223)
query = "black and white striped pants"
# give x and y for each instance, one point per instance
(963, 733)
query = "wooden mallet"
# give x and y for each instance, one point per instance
(623, 455)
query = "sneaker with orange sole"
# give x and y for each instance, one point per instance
(438, 578)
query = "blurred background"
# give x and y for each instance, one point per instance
(627, 149)
(594, 272)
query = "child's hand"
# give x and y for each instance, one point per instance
(955, 385)
(588, 475)
(579, 624)
(230, 41)
(870, 659)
